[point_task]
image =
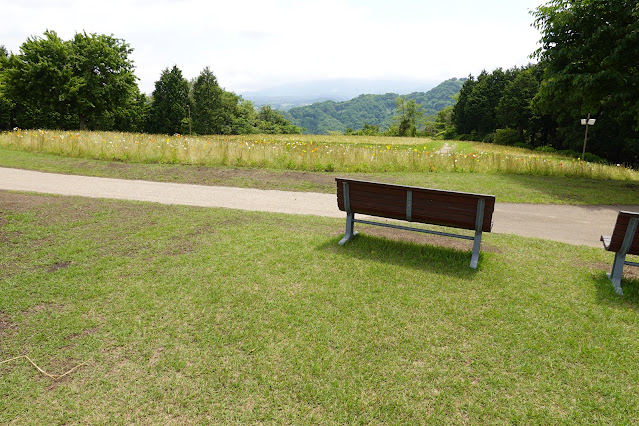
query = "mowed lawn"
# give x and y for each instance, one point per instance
(193, 315)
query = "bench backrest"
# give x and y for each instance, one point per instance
(415, 204)
(616, 240)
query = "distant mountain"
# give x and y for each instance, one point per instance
(285, 103)
(330, 116)
(306, 93)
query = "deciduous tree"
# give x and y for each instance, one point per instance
(71, 84)
(408, 115)
(270, 121)
(590, 50)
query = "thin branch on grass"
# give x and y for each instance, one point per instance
(52, 376)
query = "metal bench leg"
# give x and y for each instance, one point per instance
(476, 248)
(617, 270)
(350, 224)
(479, 221)
(620, 256)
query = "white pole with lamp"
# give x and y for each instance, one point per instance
(587, 122)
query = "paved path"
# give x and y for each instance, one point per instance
(581, 225)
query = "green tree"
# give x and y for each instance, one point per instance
(485, 98)
(239, 114)
(170, 103)
(270, 121)
(134, 115)
(6, 105)
(208, 112)
(79, 83)
(515, 109)
(408, 115)
(463, 116)
(39, 82)
(444, 123)
(103, 78)
(590, 51)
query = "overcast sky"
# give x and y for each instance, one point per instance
(257, 44)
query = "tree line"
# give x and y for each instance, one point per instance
(88, 82)
(587, 67)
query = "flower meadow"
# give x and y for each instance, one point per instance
(329, 153)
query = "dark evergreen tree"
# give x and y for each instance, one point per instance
(515, 109)
(170, 104)
(6, 106)
(208, 111)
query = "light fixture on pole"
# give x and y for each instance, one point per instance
(587, 122)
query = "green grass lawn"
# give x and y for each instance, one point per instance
(194, 315)
(506, 187)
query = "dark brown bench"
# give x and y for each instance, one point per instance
(624, 241)
(414, 204)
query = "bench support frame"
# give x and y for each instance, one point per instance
(620, 257)
(350, 224)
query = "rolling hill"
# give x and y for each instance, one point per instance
(330, 116)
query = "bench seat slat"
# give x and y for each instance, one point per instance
(378, 198)
(437, 211)
(392, 191)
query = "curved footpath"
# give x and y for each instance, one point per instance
(579, 225)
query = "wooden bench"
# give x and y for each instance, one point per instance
(624, 240)
(413, 204)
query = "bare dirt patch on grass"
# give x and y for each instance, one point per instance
(6, 325)
(13, 202)
(49, 209)
(58, 265)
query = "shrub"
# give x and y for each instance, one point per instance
(592, 158)
(546, 148)
(522, 145)
(449, 133)
(569, 153)
(506, 136)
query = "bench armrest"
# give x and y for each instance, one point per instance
(606, 241)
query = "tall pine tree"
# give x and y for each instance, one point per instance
(170, 104)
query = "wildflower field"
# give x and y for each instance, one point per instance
(311, 153)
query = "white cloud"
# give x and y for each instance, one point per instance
(252, 44)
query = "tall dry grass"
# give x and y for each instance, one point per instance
(308, 152)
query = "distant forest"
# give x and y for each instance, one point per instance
(371, 110)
